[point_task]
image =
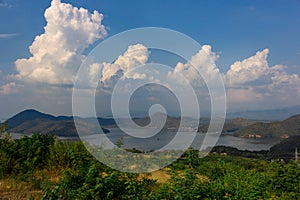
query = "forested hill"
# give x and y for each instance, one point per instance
(285, 128)
(31, 114)
(32, 121)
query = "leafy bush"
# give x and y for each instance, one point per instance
(24, 155)
(66, 170)
(97, 184)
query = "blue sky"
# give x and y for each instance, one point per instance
(235, 29)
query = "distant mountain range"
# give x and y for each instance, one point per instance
(271, 115)
(30, 121)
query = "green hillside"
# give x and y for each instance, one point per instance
(283, 129)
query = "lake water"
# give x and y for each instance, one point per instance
(182, 141)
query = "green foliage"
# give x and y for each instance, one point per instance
(64, 155)
(120, 142)
(187, 185)
(3, 127)
(94, 183)
(81, 176)
(23, 155)
(284, 180)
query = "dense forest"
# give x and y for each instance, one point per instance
(42, 167)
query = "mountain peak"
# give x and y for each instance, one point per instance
(31, 110)
(29, 114)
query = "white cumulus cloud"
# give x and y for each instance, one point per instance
(57, 53)
(249, 69)
(109, 73)
(255, 82)
(200, 65)
(138, 54)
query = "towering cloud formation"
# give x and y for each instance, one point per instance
(135, 55)
(254, 82)
(249, 69)
(57, 53)
(201, 64)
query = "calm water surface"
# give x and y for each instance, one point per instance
(163, 138)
